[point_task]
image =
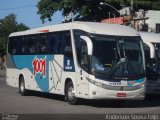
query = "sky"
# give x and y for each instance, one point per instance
(26, 12)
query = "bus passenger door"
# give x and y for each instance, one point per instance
(82, 82)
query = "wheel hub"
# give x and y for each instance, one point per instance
(22, 87)
(71, 94)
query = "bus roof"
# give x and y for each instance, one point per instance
(150, 37)
(91, 27)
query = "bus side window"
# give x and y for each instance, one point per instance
(63, 42)
(13, 45)
(24, 49)
(10, 45)
(66, 45)
(81, 49)
(59, 43)
(19, 45)
(53, 45)
(42, 44)
(32, 44)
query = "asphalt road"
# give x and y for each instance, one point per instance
(40, 103)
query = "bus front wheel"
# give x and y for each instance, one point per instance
(22, 88)
(70, 94)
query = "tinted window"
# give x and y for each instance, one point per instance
(14, 45)
(31, 44)
(52, 43)
(59, 42)
(24, 49)
(77, 34)
(42, 44)
(66, 37)
(81, 49)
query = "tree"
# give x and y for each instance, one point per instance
(90, 10)
(7, 26)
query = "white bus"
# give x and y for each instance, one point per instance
(79, 60)
(152, 56)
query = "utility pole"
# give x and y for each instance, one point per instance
(131, 4)
(132, 13)
(72, 16)
(131, 8)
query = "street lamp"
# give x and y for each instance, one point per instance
(102, 4)
(72, 16)
(121, 15)
(69, 17)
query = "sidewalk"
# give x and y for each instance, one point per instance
(2, 73)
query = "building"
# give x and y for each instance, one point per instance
(124, 19)
(154, 19)
(148, 21)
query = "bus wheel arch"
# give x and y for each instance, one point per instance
(70, 92)
(22, 88)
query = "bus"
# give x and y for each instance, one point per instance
(79, 60)
(152, 57)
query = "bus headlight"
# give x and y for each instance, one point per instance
(96, 83)
(143, 85)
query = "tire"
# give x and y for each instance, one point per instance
(22, 88)
(70, 95)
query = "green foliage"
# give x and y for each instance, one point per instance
(7, 26)
(137, 4)
(90, 10)
(83, 9)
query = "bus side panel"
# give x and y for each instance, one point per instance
(60, 68)
(30, 82)
(34, 69)
(55, 74)
(12, 77)
(12, 73)
(45, 73)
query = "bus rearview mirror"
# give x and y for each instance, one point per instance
(89, 44)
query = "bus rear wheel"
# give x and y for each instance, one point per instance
(70, 94)
(22, 88)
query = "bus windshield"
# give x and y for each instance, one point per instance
(117, 57)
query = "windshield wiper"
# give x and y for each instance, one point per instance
(120, 44)
(122, 60)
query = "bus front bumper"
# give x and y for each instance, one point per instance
(96, 92)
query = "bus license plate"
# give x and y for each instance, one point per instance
(121, 95)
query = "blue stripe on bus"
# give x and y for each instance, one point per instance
(139, 80)
(25, 61)
(132, 82)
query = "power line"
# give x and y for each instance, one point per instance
(20, 7)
